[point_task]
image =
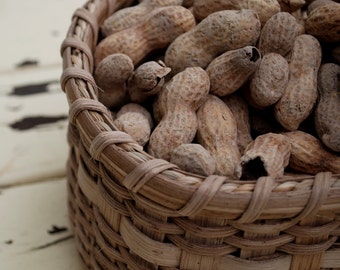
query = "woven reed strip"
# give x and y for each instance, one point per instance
(104, 246)
(82, 104)
(87, 134)
(82, 46)
(111, 186)
(205, 231)
(86, 15)
(153, 223)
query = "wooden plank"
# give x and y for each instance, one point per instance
(34, 229)
(33, 123)
(34, 30)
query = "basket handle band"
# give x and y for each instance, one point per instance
(258, 201)
(76, 43)
(106, 138)
(82, 104)
(88, 17)
(203, 195)
(76, 73)
(319, 194)
(142, 173)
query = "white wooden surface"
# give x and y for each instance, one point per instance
(34, 225)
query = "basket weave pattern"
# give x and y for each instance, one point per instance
(132, 211)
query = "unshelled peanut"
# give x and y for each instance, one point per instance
(300, 95)
(269, 81)
(269, 151)
(130, 16)
(317, 3)
(264, 8)
(136, 121)
(184, 93)
(217, 132)
(239, 108)
(219, 32)
(327, 112)
(111, 75)
(157, 31)
(147, 80)
(229, 71)
(323, 22)
(308, 154)
(278, 34)
(193, 158)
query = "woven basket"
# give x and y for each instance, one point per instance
(132, 211)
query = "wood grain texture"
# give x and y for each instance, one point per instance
(34, 228)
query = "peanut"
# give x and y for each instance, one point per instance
(157, 31)
(264, 8)
(185, 92)
(219, 32)
(217, 132)
(269, 81)
(136, 121)
(147, 80)
(158, 106)
(132, 15)
(229, 71)
(323, 22)
(111, 75)
(270, 152)
(300, 95)
(318, 3)
(278, 34)
(308, 155)
(327, 112)
(240, 111)
(193, 158)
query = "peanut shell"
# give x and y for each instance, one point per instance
(111, 75)
(130, 16)
(300, 95)
(240, 111)
(217, 132)
(136, 121)
(308, 155)
(185, 92)
(146, 81)
(229, 71)
(269, 81)
(219, 32)
(157, 31)
(323, 22)
(270, 151)
(278, 34)
(264, 8)
(193, 158)
(327, 112)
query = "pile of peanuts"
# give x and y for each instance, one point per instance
(242, 89)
